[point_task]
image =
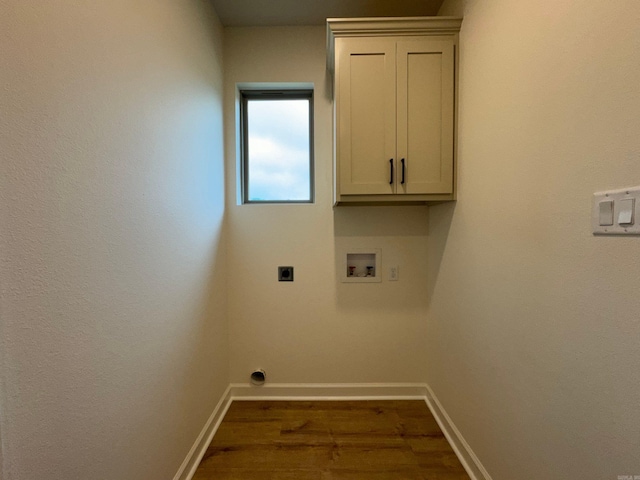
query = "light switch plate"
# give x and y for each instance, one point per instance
(621, 200)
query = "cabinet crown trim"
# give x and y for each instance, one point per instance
(386, 26)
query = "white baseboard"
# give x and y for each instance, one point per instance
(463, 451)
(328, 391)
(340, 391)
(191, 462)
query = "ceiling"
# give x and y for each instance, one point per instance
(235, 13)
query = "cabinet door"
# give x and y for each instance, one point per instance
(365, 117)
(425, 115)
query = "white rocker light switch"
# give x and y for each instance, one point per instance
(606, 213)
(625, 212)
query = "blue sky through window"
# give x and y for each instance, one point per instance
(278, 145)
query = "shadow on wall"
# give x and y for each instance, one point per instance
(401, 233)
(395, 221)
(440, 219)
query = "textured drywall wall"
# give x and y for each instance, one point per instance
(316, 329)
(533, 322)
(113, 328)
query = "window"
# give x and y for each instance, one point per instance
(277, 146)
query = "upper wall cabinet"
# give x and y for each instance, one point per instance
(395, 125)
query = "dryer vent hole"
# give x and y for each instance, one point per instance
(258, 377)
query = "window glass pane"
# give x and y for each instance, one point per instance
(278, 147)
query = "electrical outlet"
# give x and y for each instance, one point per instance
(393, 273)
(285, 274)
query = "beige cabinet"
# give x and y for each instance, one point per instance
(394, 91)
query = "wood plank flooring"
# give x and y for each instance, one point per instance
(327, 440)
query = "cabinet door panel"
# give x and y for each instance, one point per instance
(425, 114)
(366, 116)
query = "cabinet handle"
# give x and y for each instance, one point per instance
(391, 171)
(402, 162)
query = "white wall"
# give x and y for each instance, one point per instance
(113, 326)
(316, 329)
(533, 323)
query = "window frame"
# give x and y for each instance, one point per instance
(247, 95)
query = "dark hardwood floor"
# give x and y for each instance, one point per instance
(329, 440)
